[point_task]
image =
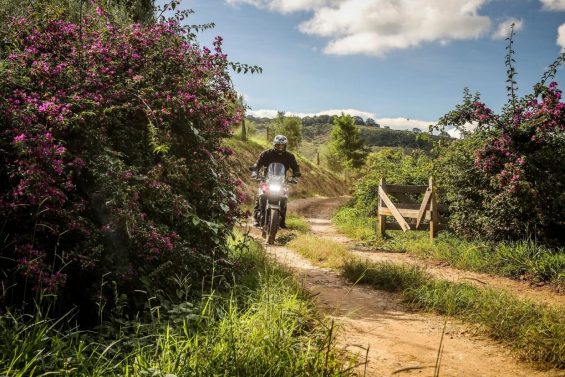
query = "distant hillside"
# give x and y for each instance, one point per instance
(373, 134)
(315, 180)
(385, 137)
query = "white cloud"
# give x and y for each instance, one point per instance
(553, 4)
(561, 36)
(376, 27)
(503, 30)
(353, 112)
(264, 113)
(457, 132)
(393, 123)
(404, 123)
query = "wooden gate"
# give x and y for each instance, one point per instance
(408, 208)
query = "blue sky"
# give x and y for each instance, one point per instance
(402, 62)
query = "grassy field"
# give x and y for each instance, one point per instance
(262, 326)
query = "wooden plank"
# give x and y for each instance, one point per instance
(393, 209)
(381, 226)
(413, 206)
(434, 212)
(383, 185)
(415, 189)
(408, 213)
(381, 230)
(424, 227)
(423, 207)
(442, 208)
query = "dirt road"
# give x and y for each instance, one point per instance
(400, 342)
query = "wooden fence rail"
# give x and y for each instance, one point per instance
(408, 208)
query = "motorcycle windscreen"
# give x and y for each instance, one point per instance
(276, 170)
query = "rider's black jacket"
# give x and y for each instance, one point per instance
(270, 156)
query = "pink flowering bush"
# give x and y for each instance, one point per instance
(506, 180)
(111, 167)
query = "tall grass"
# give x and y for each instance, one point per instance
(517, 260)
(355, 224)
(323, 252)
(297, 222)
(264, 327)
(535, 332)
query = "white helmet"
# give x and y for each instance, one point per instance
(280, 140)
(279, 143)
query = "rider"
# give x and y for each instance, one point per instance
(276, 154)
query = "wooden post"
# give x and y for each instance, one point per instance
(268, 139)
(433, 211)
(381, 226)
(317, 158)
(243, 130)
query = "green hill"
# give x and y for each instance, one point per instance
(374, 136)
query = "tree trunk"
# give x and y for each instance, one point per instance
(243, 131)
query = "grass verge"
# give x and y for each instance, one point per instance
(263, 327)
(517, 260)
(323, 252)
(535, 332)
(297, 223)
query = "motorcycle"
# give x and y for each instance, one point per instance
(273, 196)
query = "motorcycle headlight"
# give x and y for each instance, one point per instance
(275, 188)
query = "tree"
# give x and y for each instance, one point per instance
(370, 122)
(417, 130)
(291, 127)
(346, 148)
(359, 121)
(324, 119)
(307, 121)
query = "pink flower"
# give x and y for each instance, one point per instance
(20, 138)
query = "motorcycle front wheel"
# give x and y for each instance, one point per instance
(273, 226)
(265, 225)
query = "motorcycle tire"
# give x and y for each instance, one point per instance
(265, 227)
(273, 226)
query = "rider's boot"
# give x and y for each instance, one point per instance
(256, 219)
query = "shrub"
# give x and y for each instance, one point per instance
(291, 127)
(397, 167)
(110, 158)
(506, 179)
